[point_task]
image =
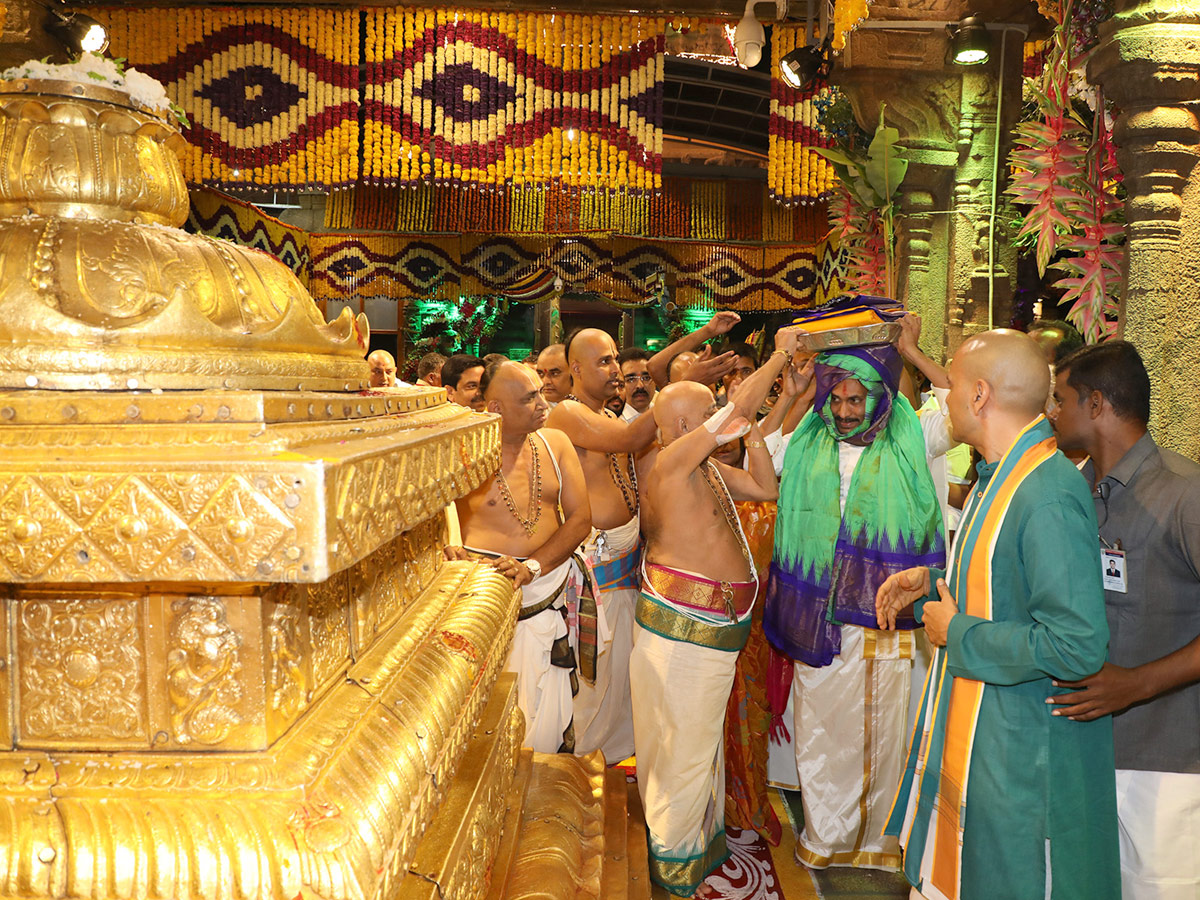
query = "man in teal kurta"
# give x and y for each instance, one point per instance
(1000, 800)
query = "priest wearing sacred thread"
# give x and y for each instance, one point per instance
(856, 503)
(698, 585)
(528, 521)
(1000, 799)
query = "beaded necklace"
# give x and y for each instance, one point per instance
(529, 523)
(628, 486)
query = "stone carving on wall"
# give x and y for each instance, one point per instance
(204, 670)
(82, 675)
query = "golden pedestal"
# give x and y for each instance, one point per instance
(235, 663)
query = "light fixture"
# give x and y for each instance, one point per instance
(970, 43)
(748, 38)
(78, 32)
(802, 66)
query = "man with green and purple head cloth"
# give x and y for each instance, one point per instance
(856, 503)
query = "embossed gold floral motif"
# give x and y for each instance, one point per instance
(288, 690)
(204, 671)
(81, 671)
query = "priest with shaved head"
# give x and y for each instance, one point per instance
(527, 521)
(1000, 798)
(698, 587)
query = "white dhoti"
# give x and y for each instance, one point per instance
(850, 736)
(688, 635)
(544, 690)
(603, 710)
(681, 691)
(1158, 820)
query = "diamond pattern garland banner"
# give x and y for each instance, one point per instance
(221, 216)
(272, 94)
(480, 98)
(621, 270)
(795, 173)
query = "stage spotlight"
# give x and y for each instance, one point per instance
(800, 67)
(970, 43)
(78, 32)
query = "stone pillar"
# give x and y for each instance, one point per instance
(946, 116)
(1148, 63)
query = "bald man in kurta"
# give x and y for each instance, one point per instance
(1000, 799)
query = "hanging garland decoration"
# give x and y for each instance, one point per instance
(734, 210)
(481, 99)
(795, 174)
(272, 94)
(847, 15)
(625, 271)
(221, 216)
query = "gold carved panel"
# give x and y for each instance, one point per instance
(275, 509)
(81, 678)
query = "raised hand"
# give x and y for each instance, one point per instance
(788, 337)
(708, 369)
(900, 590)
(910, 333)
(721, 323)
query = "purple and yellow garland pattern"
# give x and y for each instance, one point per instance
(484, 98)
(220, 216)
(621, 270)
(272, 94)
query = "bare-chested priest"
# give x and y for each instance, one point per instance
(693, 616)
(514, 519)
(606, 446)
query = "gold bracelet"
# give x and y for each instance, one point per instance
(784, 352)
(756, 443)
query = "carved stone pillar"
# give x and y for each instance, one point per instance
(946, 117)
(1148, 62)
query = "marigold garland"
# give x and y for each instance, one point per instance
(621, 270)
(479, 98)
(272, 94)
(734, 210)
(794, 172)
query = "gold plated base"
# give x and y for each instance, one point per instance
(335, 809)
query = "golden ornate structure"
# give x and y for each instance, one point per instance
(235, 664)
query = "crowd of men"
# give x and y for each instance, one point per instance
(1042, 611)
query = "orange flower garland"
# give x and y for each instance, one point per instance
(272, 94)
(795, 173)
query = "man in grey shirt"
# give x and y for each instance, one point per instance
(1148, 508)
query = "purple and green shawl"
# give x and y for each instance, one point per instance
(829, 564)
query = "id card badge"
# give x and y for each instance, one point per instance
(1112, 568)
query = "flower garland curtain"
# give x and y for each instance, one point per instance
(221, 216)
(796, 174)
(272, 94)
(479, 98)
(696, 209)
(621, 270)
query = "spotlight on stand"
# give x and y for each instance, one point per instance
(748, 38)
(78, 32)
(970, 43)
(800, 67)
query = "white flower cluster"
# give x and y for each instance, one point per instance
(92, 68)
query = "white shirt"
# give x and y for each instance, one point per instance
(848, 456)
(629, 413)
(935, 426)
